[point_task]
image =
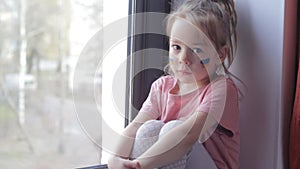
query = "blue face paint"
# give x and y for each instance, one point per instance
(204, 61)
(171, 60)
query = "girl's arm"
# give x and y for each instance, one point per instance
(126, 140)
(175, 144)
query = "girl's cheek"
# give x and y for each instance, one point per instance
(204, 61)
(171, 61)
(202, 66)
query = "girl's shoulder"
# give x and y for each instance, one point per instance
(225, 83)
(165, 79)
(164, 82)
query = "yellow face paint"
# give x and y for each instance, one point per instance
(171, 60)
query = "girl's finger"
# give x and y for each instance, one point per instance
(138, 165)
(132, 164)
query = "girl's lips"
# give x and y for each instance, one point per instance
(185, 72)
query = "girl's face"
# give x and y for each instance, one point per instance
(192, 55)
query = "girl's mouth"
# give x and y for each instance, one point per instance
(184, 72)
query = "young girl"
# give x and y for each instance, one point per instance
(197, 102)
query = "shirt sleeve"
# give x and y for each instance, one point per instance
(220, 101)
(151, 106)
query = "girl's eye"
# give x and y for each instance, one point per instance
(176, 47)
(197, 50)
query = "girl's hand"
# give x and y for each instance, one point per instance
(120, 163)
(137, 164)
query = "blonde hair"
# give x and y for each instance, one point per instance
(216, 18)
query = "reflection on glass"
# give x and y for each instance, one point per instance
(41, 41)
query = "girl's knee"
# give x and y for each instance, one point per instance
(168, 126)
(150, 128)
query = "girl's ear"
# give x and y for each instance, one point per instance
(223, 53)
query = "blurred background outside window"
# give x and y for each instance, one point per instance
(40, 42)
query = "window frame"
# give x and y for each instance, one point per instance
(138, 86)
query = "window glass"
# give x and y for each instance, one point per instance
(114, 65)
(40, 45)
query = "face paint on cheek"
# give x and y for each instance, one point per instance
(204, 61)
(171, 60)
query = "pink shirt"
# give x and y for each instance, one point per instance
(219, 99)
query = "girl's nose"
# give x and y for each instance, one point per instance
(184, 58)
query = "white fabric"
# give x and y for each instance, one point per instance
(149, 133)
(199, 158)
